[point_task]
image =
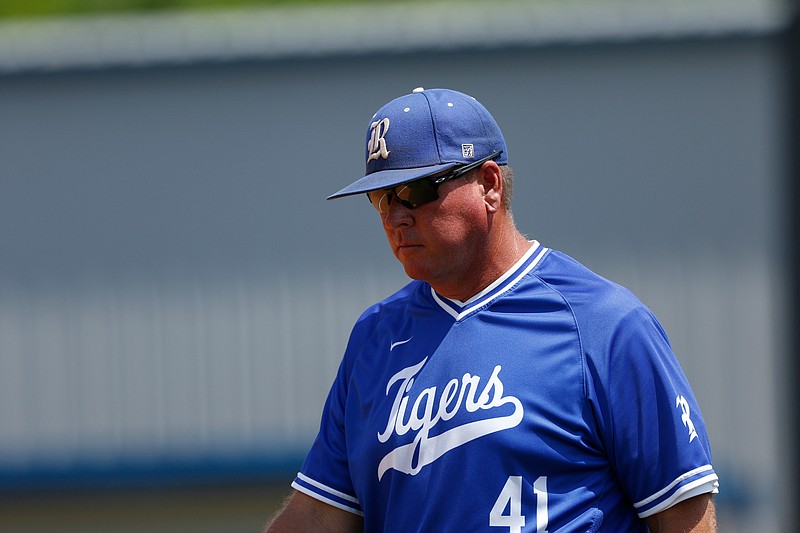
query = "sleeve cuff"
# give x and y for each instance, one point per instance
(698, 481)
(326, 494)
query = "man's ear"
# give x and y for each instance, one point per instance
(491, 179)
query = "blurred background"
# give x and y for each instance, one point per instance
(176, 293)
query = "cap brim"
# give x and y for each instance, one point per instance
(386, 179)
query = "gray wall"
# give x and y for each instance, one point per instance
(173, 283)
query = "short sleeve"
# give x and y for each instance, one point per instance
(325, 474)
(647, 415)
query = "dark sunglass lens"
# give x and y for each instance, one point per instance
(417, 193)
(410, 195)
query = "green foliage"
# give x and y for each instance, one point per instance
(40, 8)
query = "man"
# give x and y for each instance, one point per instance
(507, 388)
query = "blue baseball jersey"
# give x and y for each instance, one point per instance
(549, 402)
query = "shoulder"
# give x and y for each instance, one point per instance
(410, 295)
(387, 313)
(590, 295)
(612, 323)
(615, 328)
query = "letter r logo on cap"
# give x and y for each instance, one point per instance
(377, 144)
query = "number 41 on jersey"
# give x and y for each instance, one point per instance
(510, 500)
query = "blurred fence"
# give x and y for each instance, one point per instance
(228, 374)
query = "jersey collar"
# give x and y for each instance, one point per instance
(459, 310)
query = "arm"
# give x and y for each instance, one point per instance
(304, 513)
(695, 515)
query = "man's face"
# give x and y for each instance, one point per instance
(436, 242)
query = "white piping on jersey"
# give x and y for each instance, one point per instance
(669, 487)
(470, 305)
(320, 497)
(705, 485)
(326, 488)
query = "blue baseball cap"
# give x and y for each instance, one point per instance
(424, 133)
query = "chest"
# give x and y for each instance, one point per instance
(434, 395)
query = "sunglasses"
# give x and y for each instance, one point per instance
(419, 192)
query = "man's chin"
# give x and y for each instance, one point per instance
(415, 271)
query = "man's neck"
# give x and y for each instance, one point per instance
(496, 258)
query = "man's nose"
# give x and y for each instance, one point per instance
(397, 215)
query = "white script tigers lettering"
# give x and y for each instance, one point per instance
(428, 410)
